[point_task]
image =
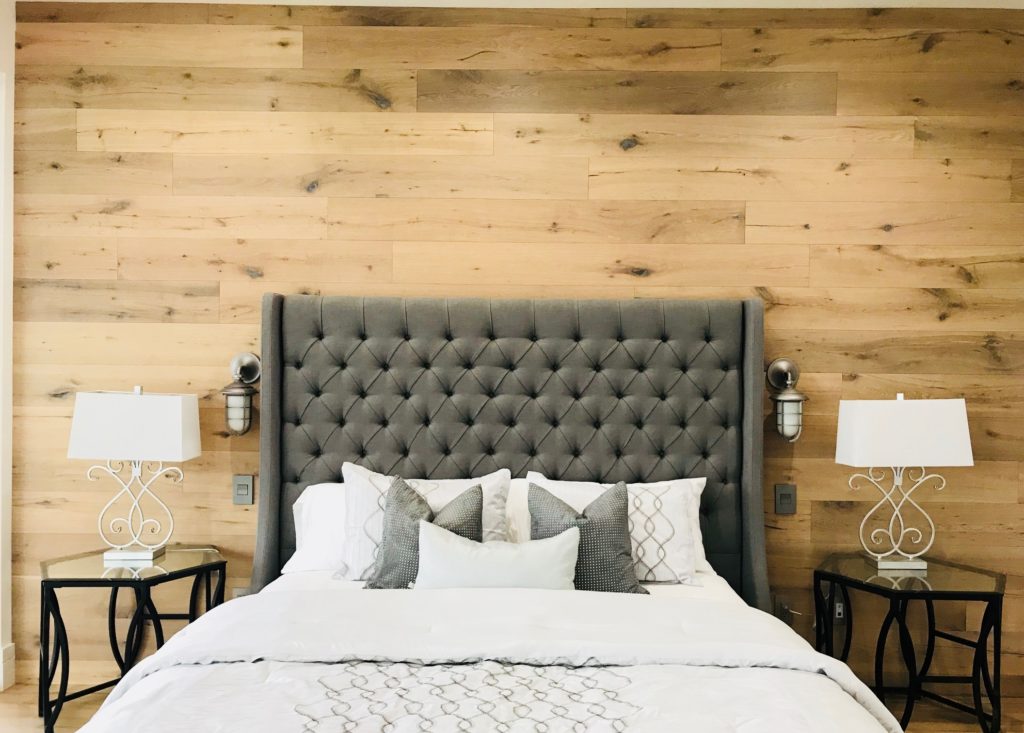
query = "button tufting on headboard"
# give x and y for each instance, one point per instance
(581, 390)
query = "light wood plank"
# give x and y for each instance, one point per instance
(86, 215)
(924, 266)
(880, 17)
(956, 92)
(352, 15)
(822, 479)
(994, 395)
(888, 310)
(286, 132)
(392, 176)
(161, 301)
(240, 299)
(908, 352)
(144, 44)
(662, 92)
(597, 264)
(195, 88)
(58, 12)
(968, 137)
(504, 47)
(703, 136)
(441, 220)
(884, 223)
(883, 50)
(254, 259)
(44, 129)
(141, 344)
(57, 258)
(881, 294)
(756, 179)
(49, 389)
(98, 173)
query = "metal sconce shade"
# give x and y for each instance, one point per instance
(783, 375)
(245, 368)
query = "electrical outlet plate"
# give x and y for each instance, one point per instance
(241, 489)
(785, 498)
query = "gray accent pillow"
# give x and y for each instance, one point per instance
(398, 557)
(605, 561)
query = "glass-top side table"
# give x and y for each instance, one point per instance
(87, 570)
(943, 581)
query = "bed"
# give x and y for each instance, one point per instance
(602, 391)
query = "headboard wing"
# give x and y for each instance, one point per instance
(637, 390)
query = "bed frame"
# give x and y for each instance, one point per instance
(602, 390)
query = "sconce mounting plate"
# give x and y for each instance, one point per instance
(779, 370)
(245, 367)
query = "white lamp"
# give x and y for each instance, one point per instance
(901, 434)
(132, 428)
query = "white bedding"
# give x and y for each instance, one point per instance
(328, 659)
(708, 586)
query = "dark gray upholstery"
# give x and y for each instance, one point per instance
(638, 390)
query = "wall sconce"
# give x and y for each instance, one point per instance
(245, 370)
(783, 374)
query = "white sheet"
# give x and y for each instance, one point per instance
(712, 587)
(327, 660)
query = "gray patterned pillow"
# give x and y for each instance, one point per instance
(605, 561)
(398, 557)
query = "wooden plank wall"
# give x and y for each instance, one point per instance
(862, 171)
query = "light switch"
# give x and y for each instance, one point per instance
(785, 498)
(241, 489)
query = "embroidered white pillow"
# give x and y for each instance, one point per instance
(366, 494)
(319, 515)
(450, 561)
(664, 523)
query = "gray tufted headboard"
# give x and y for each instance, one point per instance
(637, 390)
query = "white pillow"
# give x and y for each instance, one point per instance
(450, 561)
(664, 519)
(366, 494)
(319, 515)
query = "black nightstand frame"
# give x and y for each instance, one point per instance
(54, 649)
(982, 679)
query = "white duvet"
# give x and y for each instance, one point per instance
(488, 659)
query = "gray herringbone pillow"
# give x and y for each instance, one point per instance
(605, 561)
(398, 557)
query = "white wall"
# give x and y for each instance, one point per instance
(6, 289)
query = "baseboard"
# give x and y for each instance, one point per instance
(7, 666)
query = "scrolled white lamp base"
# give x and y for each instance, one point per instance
(135, 539)
(896, 546)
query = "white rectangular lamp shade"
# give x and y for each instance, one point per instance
(135, 427)
(902, 433)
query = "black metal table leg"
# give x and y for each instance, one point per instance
(980, 676)
(883, 635)
(49, 662)
(136, 629)
(193, 598)
(218, 592)
(115, 647)
(910, 661)
(44, 649)
(848, 635)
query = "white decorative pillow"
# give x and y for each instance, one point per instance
(450, 561)
(664, 521)
(365, 498)
(319, 515)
